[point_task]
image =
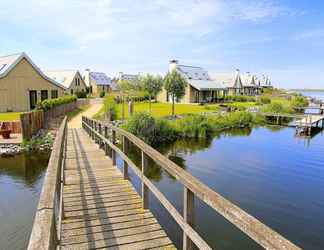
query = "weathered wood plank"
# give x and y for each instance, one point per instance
(101, 208)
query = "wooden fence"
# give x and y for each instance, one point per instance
(14, 126)
(46, 228)
(31, 122)
(106, 135)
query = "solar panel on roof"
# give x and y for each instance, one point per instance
(2, 66)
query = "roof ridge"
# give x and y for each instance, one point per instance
(14, 54)
(199, 67)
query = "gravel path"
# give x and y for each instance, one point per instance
(75, 122)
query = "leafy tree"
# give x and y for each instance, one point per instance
(175, 85)
(152, 85)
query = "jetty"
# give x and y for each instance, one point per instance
(304, 126)
(86, 202)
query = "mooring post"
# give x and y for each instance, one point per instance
(125, 150)
(113, 152)
(145, 190)
(188, 216)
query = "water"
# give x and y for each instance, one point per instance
(268, 172)
(315, 94)
(21, 179)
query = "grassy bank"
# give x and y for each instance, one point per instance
(10, 116)
(157, 130)
(77, 111)
(162, 109)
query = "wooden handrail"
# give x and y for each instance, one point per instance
(45, 232)
(260, 233)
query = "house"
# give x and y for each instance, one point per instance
(97, 81)
(265, 82)
(232, 81)
(200, 87)
(249, 83)
(128, 77)
(70, 79)
(23, 84)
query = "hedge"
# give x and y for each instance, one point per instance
(51, 103)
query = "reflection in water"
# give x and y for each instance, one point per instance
(21, 179)
(266, 171)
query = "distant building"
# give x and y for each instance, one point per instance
(232, 81)
(127, 77)
(249, 83)
(23, 84)
(201, 88)
(265, 82)
(70, 79)
(97, 81)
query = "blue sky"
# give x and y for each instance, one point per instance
(283, 39)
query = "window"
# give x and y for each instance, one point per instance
(44, 95)
(54, 94)
(71, 91)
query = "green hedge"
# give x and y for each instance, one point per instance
(240, 98)
(51, 103)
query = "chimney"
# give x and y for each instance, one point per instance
(173, 65)
(120, 75)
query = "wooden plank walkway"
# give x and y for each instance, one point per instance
(101, 209)
(309, 120)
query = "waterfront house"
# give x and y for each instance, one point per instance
(249, 84)
(70, 79)
(23, 84)
(232, 81)
(200, 87)
(97, 82)
(265, 82)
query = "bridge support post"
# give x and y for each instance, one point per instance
(125, 150)
(100, 132)
(188, 215)
(113, 152)
(145, 190)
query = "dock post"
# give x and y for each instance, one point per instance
(125, 150)
(188, 216)
(113, 152)
(145, 190)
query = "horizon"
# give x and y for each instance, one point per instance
(281, 39)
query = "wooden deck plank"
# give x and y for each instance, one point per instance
(101, 209)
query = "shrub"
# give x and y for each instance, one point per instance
(51, 103)
(264, 99)
(81, 94)
(150, 129)
(240, 98)
(194, 126)
(277, 107)
(110, 107)
(299, 101)
(102, 94)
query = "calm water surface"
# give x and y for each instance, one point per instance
(21, 178)
(315, 94)
(268, 172)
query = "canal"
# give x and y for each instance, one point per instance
(267, 171)
(21, 179)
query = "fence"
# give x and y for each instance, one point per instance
(106, 135)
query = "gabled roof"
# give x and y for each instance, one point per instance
(248, 79)
(230, 80)
(206, 84)
(192, 72)
(265, 81)
(130, 77)
(64, 77)
(100, 78)
(7, 63)
(198, 78)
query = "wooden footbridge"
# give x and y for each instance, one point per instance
(87, 203)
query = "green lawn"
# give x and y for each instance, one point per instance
(77, 111)
(10, 116)
(165, 109)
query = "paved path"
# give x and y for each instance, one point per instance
(101, 208)
(76, 122)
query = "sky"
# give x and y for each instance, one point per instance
(280, 38)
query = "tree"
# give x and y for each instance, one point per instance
(152, 85)
(175, 85)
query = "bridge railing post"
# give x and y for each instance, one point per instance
(125, 150)
(106, 136)
(100, 132)
(145, 189)
(113, 152)
(188, 216)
